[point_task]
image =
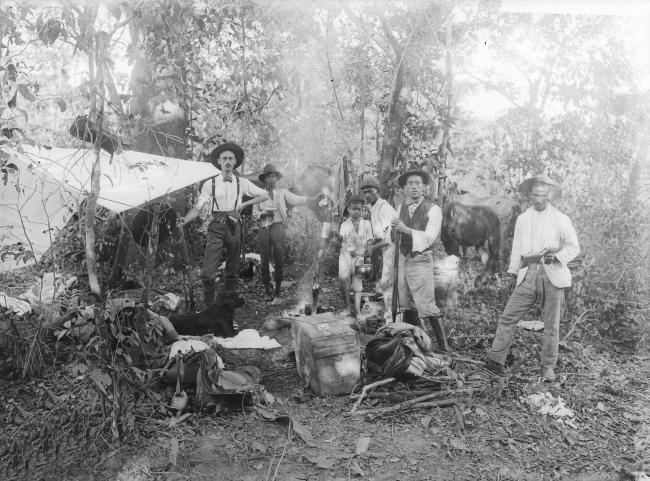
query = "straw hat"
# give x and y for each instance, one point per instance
(526, 186)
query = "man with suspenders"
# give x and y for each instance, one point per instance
(224, 193)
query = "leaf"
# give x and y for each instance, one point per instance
(101, 379)
(362, 445)
(302, 431)
(13, 102)
(61, 103)
(257, 446)
(115, 10)
(323, 461)
(355, 469)
(271, 414)
(425, 421)
(173, 451)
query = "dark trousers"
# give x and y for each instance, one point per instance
(223, 241)
(272, 241)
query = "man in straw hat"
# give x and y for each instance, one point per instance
(224, 196)
(272, 214)
(418, 221)
(381, 213)
(544, 243)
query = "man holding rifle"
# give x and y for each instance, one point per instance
(418, 223)
(544, 243)
(381, 213)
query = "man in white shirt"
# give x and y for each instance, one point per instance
(543, 244)
(272, 214)
(381, 213)
(223, 193)
(418, 221)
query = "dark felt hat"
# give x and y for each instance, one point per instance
(369, 181)
(269, 169)
(227, 147)
(426, 178)
(526, 186)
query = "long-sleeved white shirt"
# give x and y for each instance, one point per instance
(423, 239)
(536, 231)
(381, 213)
(279, 201)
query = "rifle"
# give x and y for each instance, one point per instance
(394, 306)
(190, 306)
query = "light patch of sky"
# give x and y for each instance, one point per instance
(485, 104)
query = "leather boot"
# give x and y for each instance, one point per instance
(209, 288)
(278, 287)
(439, 331)
(268, 292)
(410, 316)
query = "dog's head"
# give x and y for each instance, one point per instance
(229, 299)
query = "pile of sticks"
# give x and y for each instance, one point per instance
(427, 394)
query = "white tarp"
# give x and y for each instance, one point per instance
(38, 198)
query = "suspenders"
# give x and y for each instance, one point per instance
(214, 197)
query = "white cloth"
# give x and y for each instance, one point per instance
(353, 240)
(226, 193)
(247, 339)
(381, 213)
(423, 239)
(536, 231)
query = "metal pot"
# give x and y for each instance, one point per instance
(364, 271)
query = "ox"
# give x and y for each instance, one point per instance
(472, 226)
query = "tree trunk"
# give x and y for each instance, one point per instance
(393, 129)
(443, 149)
(166, 139)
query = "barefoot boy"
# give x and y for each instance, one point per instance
(354, 234)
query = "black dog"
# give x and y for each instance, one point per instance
(218, 319)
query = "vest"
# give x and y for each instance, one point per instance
(419, 221)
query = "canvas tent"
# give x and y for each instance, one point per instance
(39, 195)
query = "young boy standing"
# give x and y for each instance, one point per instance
(354, 234)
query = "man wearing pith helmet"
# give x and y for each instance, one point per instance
(543, 244)
(223, 193)
(381, 213)
(418, 221)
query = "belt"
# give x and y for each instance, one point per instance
(221, 216)
(271, 225)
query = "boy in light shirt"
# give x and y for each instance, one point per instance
(354, 234)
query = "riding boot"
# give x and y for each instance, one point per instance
(268, 292)
(410, 316)
(278, 286)
(209, 288)
(439, 331)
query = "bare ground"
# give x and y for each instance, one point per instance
(484, 437)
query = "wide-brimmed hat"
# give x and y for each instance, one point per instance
(369, 181)
(526, 186)
(269, 169)
(426, 178)
(227, 147)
